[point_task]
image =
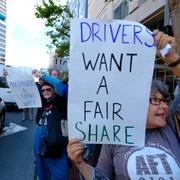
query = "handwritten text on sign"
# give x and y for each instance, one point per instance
(23, 88)
(110, 72)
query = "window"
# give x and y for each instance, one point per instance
(2, 35)
(2, 55)
(2, 45)
(2, 50)
(121, 11)
(2, 31)
(2, 26)
(3, 82)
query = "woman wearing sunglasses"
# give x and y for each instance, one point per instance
(50, 138)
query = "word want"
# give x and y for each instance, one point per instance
(103, 62)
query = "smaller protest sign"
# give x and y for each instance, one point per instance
(23, 87)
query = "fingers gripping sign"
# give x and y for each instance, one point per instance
(75, 151)
(166, 45)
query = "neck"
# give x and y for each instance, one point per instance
(51, 98)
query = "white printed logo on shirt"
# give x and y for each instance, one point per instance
(150, 163)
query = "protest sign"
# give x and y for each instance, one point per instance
(110, 73)
(23, 87)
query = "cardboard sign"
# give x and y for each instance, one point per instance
(110, 74)
(23, 87)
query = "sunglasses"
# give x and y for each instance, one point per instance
(46, 90)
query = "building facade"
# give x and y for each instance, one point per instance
(78, 8)
(58, 63)
(2, 31)
(152, 13)
(135, 10)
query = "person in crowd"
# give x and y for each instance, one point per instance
(176, 100)
(159, 158)
(177, 89)
(28, 114)
(60, 90)
(54, 79)
(174, 110)
(54, 73)
(65, 81)
(50, 139)
(174, 120)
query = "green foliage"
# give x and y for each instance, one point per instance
(58, 22)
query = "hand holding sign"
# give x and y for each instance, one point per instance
(115, 63)
(108, 104)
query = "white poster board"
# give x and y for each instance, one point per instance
(23, 87)
(110, 74)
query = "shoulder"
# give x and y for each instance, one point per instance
(61, 104)
(60, 99)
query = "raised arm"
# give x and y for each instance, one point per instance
(60, 88)
(172, 59)
(57, 84)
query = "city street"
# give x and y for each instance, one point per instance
(16, 149)
(98, 84)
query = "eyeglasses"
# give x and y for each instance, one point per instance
(46, 90)
(157, 101)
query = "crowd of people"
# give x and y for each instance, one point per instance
(158, 159)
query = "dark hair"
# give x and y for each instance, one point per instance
(53, 69)
(47, 84)
(159, 86)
